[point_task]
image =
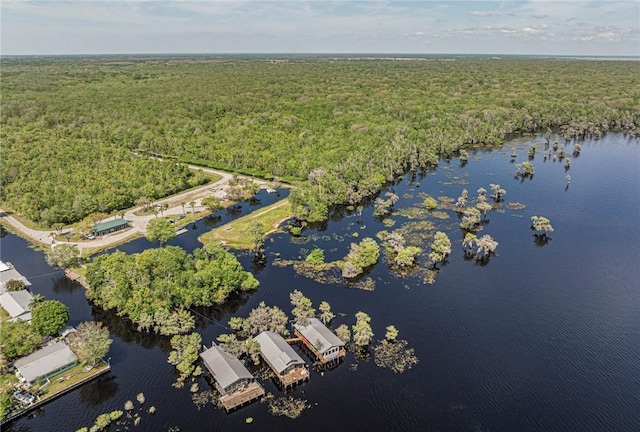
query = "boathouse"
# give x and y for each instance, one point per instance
(45, 363)
(16, 303)
(7, 273)
(104, 228)
(321, 341)
(233, 381)
(288, 366)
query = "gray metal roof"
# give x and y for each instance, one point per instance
(225, 368)
(45, 361)
(16, 303)
(316, 332)
(277, 351)
(8, 272)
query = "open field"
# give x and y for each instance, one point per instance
(237, 234)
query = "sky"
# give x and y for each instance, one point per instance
(537, 27)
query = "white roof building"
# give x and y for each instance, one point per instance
(322, 340)
(226, 369)
(278, 353)
(16, 303)
(46, 362)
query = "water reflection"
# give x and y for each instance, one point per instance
(99, 390)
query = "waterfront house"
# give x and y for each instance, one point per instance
(233, 381)
(282, 359)
(321, 341)
(45, 363)
(16, 303)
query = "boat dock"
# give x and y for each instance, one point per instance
(242, 396)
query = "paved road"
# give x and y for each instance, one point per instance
(138, 223)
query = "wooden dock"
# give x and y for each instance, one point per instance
(241, 396)
(294, 377)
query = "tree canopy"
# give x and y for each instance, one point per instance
(49, 317)
(341, 128)
(160, 230)
(155, 287)
(90, 341)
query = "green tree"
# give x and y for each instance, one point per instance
(361, 256)
(343, 333)
(315, 257)
(326, 316)
(302, 307)
(160, 230)
(362, 332)
(391, 334)
(18, 338)
(263, 317)
(430, 203)
(542, 225)
(440, 248)
(49, 317)
(406, 256)
(184, 355)
(15, 285)
(90, 341)
(62, 255)
(257, 236)
(213, 203)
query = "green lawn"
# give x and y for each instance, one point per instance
(236, 234)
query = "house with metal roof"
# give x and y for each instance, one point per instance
(281, 358)
(104, 228)
(228, 372)
(7, 273)
(321, 341)
(234, 382)
(16, 303)
(45, 363)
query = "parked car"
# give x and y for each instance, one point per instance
(24, 397)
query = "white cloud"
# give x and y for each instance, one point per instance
(481, 13)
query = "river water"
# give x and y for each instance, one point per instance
(542, 338)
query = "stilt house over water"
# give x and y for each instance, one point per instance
(321, 341)
(288, 366)
(233, 381)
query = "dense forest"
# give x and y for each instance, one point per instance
(157, 287)
(72, 128)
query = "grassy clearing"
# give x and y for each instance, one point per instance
(236, 234)
(69, 378)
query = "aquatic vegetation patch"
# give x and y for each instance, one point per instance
(287, 406)
(516, 206)
(394, 355)
(412, 212)
(440, 215)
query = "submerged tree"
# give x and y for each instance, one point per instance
(302, 307)
(440, 248)
(343, 333)
(486, 247)
(361, 256)
(362, 332)
(471, 219)
(325, 312)
(498, 192)
(184, 355)
(462, 199)
(542, 225)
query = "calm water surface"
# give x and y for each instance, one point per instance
(542, 338)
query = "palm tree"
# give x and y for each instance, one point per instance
(182, 204)
(35, 300)
(192, 204)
